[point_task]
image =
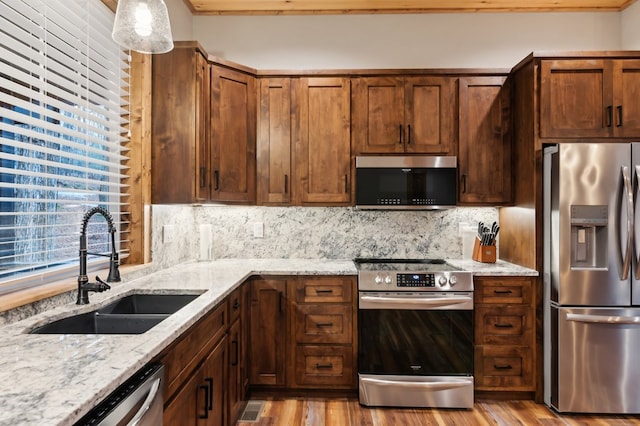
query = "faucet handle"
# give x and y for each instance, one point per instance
(102, 286)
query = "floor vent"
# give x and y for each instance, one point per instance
(252, 411)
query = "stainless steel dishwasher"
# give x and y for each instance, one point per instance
(137, 402)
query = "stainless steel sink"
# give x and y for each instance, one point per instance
(131, 314)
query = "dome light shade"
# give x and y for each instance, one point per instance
(143, 26)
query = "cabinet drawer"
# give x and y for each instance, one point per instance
(509, 325)
(182, 357)
(504, 291)
(324, 289)
(324, 365)
(503, 368)
(324, 324)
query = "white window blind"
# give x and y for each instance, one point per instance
(63, 135)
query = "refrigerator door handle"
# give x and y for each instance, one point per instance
(603, 319)
(626, 263)
(636, 184)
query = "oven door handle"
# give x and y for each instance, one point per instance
(427, 302)
(439, 385)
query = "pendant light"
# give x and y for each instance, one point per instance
(143, 26)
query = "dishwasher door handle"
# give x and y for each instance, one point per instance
(147, 403)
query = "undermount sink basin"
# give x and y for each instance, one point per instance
(97, 323)
(131, 314)
(148, 304)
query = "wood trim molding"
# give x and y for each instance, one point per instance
(139, 176)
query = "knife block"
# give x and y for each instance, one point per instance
(484, 254)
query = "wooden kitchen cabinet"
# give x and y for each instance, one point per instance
(302, 333)
(233, 135)
(322, 140)
(504, 354)
(238, 378)
(180, 146)
(195, 372)
(324, 326)
(589, 98)
(404, 115)
(268, 332)
(485, 144)
(202, 400)
(274, 154)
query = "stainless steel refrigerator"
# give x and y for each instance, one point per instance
(591, 277)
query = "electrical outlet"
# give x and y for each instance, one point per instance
(461, 226)
(168, 233)
(258, 230)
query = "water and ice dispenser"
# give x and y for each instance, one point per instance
(589, 236)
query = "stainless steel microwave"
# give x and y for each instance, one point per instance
(406, 182)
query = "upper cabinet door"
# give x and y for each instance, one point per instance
(575, 99)
(404, 114)
(233, 135)
(378, 114)
(626, 95)
(485, 141)
(274, 142)
(323, 140)
(179, 127)
(429, 115)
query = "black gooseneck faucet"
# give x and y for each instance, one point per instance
(84, 286)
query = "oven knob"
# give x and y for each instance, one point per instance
(453, 280)
(378, 279)
(387, 280)
(442, 281)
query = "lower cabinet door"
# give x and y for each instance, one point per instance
(202, 400)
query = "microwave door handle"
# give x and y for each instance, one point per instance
(628, 200)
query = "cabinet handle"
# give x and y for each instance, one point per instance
(346, 184)
(205, 414)
(609, 115)
(324, 291)
(400, 134)
(324, 366)
(502, 291)
(619, 114)
(279, 301)
(409, 134)
(286, 184)
(209, 381)
(236, 305)
(324, 324)
(235, 343)
(502, 367)
(503, 325)
(216, 177)
(203, 176)
(464, 183)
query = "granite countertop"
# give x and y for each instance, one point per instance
(56, 379)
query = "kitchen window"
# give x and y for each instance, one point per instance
(63, 136)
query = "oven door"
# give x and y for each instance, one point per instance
(415, 349)
(415, 334)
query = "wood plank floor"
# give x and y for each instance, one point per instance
(348, 412)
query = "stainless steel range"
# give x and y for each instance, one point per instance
(415, 333)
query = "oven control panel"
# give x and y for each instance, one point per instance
(416, 280)
(412, 281)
